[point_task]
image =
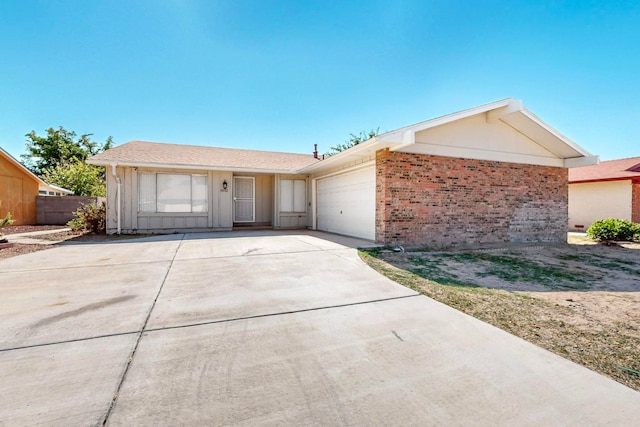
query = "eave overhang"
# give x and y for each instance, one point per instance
(150, 165)
(562, 152)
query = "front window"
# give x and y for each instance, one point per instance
(172, 193)
(293, 195)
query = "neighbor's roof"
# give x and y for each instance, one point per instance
(41, 183)
(609, 170)
(156, 154)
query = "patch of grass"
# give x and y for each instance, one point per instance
(602, 348)
(516, 269)
(508, 268)
(605, 262)
(430, 268)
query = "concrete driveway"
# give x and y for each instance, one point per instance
(263, 328)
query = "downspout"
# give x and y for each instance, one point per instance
(118, 191)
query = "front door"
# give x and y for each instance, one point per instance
(244, 200)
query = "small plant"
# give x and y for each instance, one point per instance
(606, 230)
(89, 217)
(7, 220)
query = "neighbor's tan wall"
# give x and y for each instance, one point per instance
(592, 201)
(18, 192)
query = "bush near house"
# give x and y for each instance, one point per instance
(614, 229)
(89, 217)
(4, 222)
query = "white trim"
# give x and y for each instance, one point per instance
(497, 114)
(347, 170)
(192, 167)
(577, 162)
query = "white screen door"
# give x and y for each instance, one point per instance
(244, 203)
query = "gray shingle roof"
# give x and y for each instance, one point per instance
(143, 153)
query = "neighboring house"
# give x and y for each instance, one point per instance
(19, 188)
(491, 174)
(610, 189)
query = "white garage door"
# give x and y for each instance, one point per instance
(347, 203)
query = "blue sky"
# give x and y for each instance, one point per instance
(284, 75)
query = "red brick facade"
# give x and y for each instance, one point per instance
(434, 201)
(635, 200)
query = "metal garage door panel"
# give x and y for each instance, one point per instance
(347, 203)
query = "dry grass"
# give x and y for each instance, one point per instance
(601, 343)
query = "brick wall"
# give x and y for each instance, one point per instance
(434, 201)
(635, 200)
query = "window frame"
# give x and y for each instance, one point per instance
(203, 203)
(292, 192)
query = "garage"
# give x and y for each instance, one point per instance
(347, 203)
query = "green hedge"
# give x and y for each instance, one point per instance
(614, 229)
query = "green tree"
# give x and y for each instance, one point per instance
(81, 178)
(354, 140)
(58, 147)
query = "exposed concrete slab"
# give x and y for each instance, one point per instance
(61, 304)
(69, 384)
(402, 361)
(238, 246)
(216, 289)
(239, 243)
(409, 361)
(157, 248)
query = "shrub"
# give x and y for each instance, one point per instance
(89, 217)
(5, 221)
(614, 229)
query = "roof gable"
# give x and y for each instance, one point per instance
(8, 158)
(530, 141)
(41, 184)
(607, 171)
(163, 155)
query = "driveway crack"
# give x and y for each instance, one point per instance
(142, 330)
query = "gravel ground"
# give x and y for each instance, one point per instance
(15, 229)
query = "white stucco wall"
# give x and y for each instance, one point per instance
(592, 201)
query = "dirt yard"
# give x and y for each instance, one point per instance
(62, 236)
(581, 301)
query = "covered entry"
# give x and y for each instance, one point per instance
(347, 203)
(252, 200)
(244, 199)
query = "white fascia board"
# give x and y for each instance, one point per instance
(498, 113)
(55, 187)
(577, 162)
(189, 167)
(537, 120)
(358, 151)
(396, 135)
